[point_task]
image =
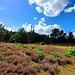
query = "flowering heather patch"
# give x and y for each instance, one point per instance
(63, 60)
(6, 68)
(50, 49)
(48, 60)
(23, 60)
(51, 64)
(59, 60)
(14, 59)
(34, 57)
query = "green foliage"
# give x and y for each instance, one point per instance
(70, 52)
(4, 59)
(55, 33)
(7, 36)
(2, 32)
(42, 43)
(28, 46)
(19, 46)
(22, 36)
(40, 52)
(13, 38)
(31, 63)
(32, 45)
(53, 55)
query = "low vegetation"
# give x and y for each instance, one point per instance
(69, 53)
(35, 59)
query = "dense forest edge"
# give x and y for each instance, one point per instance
(22, 36)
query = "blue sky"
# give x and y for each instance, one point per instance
(43, 15)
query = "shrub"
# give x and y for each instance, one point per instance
(4, 59)
(53, 55)
(46, 66)
(52, 68)
(29, 52)
(19, 68)
(40, 52)
(14, 59)
(6, 68)
(35, 58)
(48, 60)
(35, 69)
(70, 52)
(63, 60)
(31, 63)
(19, 46)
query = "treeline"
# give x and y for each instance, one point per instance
(21, 36)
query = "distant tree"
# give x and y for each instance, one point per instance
(55, 33)
(40, 38)
(46, 39)
(2, 32)
(70, 38)
(58, 36)
(7, 36)
(61, 33)
(22, 36)
(70, 35)
(62, 37)
(32, 36)
(13, 38)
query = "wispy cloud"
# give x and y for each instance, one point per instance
(70, 9)
(1, 8)
(43, 19)
(27, 27)
(50, 8)
(35, 18)
(13, 28)
(74, 29)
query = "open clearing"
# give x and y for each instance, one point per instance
(35, 59)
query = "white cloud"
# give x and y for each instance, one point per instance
(1, 8)
(35, 18)
(44, 28)
(74, 29)
(27, 27)
(2, 23)
(9, 28)
(39, 9)
(13, 28)
(74, 34)
(43, 19)
(70, 9)
(41, 27)
(50, 8)
(31, 1)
